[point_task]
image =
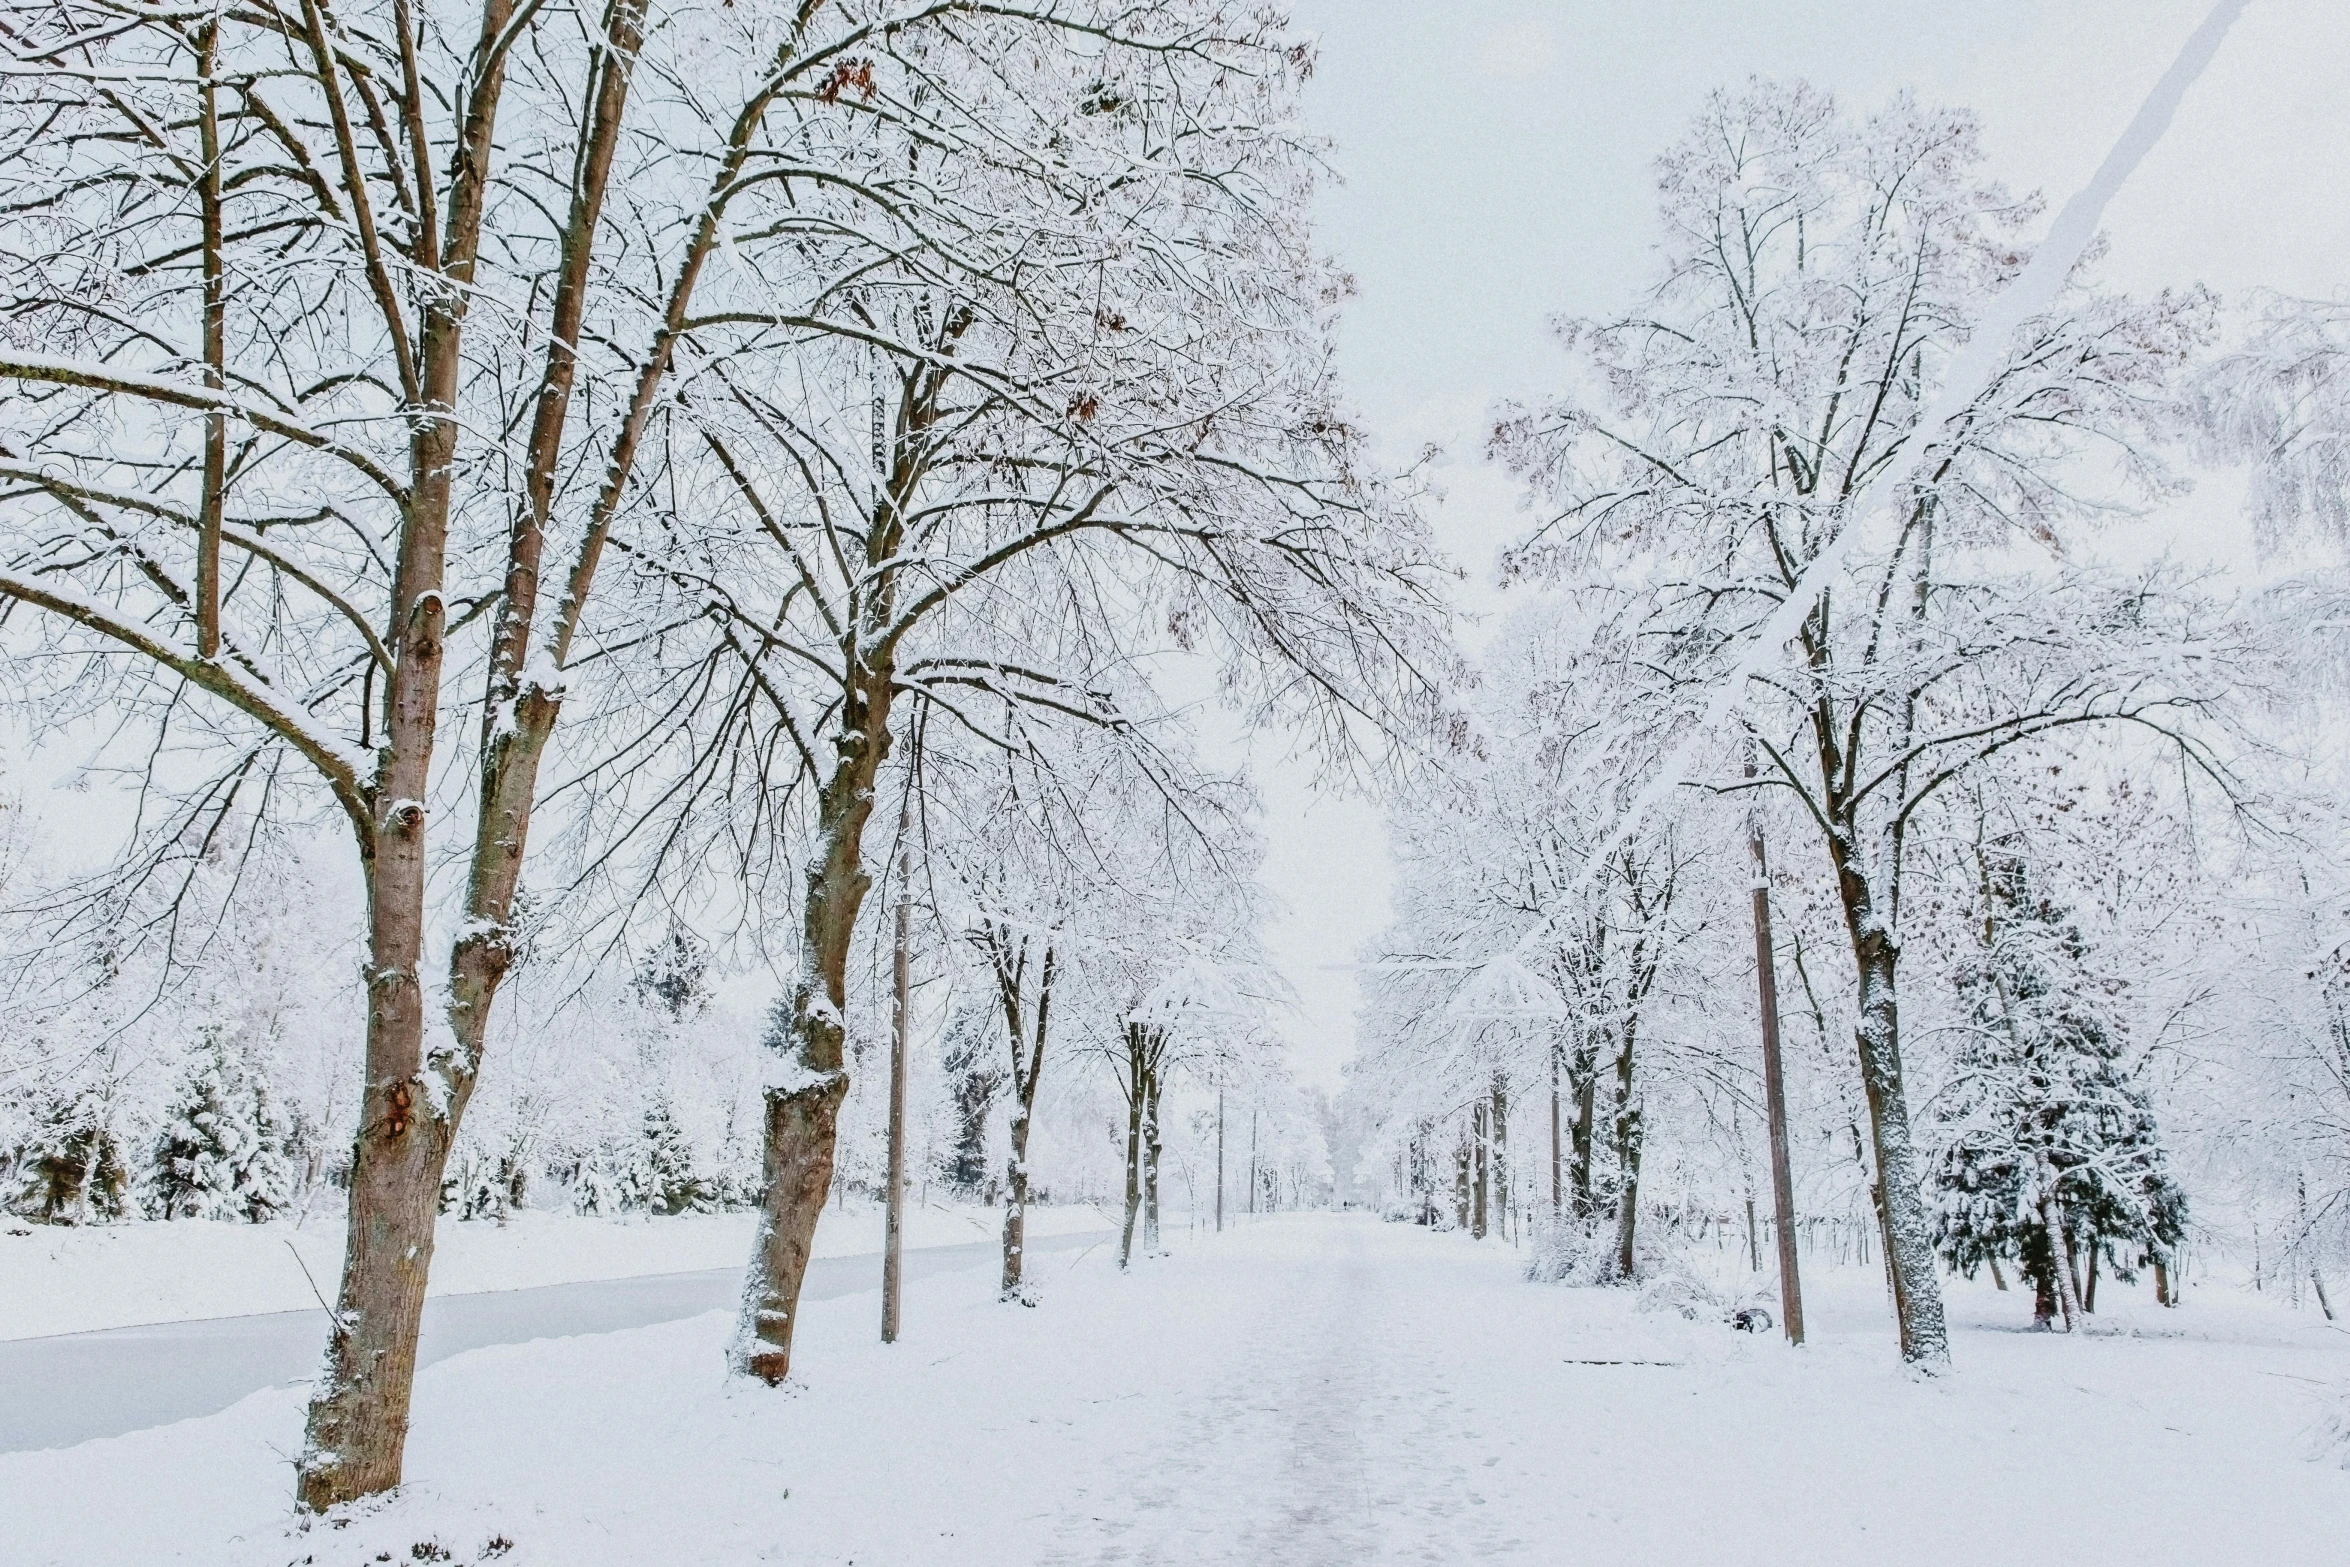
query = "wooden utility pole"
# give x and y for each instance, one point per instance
(894, 1230)
(1252, 1160)
(1557, 1192)
(1774, 1085)
(1219, 1158)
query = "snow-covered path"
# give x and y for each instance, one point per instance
(1316, 1389)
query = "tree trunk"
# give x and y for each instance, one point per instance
(1150, 1165)
(1997, 1278)
(901, 976)
(1908, 1232)
(2043, 1297)
(1498, 1139)
(1134, 1080)
(1583, 1077)
(2089, 1294)
(1016, 1202)
(356, 1430)
(1460, 1185)
(2060, 1248)
(1628, 1147)
(1027, 1072)
(804, 1098)
(1480, 1151)
(2162, 1290)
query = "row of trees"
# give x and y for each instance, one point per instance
(601, 443)
(2007, 786)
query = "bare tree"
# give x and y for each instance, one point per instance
(1082, 412)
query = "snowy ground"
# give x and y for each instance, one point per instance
(55, 1280)
(1317, 1389)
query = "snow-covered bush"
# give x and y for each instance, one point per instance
(222, 1150)
(68, 1168)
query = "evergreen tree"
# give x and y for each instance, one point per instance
(674, 977)
(70, 1169)
(2053, 1160)
(222, 1153)
(668, 1178)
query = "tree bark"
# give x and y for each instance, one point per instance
(1629, 1139)
(1026, 1071)
(901, 976)
(1460, 1183)
(1499, 1121)
(803, 1106)
(1480, 1152)
(1909, 1254)
(1583, 1077)
(1150, 1164)
(2060, 1248)
(1134, 1092)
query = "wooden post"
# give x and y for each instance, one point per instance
(1252, 1161)
(1774, 1083)
(894, 1227)
(1556, 1190)
(1219, 1158)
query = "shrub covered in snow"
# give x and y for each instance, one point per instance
(222, 1153)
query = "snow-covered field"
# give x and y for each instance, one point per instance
(121, 1275)
(1315, 1389)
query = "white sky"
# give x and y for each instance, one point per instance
(1496, 161)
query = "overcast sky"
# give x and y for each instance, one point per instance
(1496, 159)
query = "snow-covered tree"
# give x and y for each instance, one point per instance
(1819, 273)
(222, 1152)
(2053, 1160)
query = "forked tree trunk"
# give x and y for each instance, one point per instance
(412, 1104)
(1026, 1071)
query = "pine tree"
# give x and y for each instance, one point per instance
(2054, 1160)
(70, 1169)
(668, 1178)
(222, 1151)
